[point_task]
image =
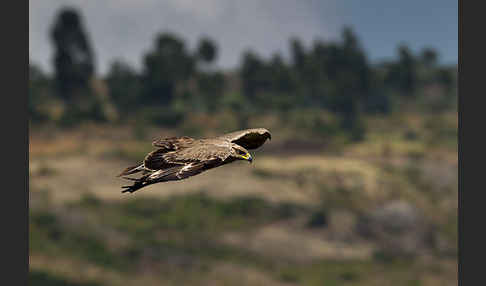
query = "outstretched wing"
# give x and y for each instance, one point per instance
(173, 143)
(172, 174)
(249, 138)
(196, 153)
(182, 171)
(155, 160)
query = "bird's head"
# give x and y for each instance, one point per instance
(240, 153)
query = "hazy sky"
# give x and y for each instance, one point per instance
(126, 28)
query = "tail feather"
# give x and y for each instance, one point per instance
(138, 184)
(159, 176)
(132, 170)
(170, 174)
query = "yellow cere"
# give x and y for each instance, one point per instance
(246, 156)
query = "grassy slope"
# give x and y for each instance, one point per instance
(291, 218)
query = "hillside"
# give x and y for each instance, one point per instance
(382, 211)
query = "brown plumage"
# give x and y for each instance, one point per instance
(177, 158)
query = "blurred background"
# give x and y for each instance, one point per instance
(357, 187)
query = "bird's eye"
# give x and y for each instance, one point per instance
(241, 152)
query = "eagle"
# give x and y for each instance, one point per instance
(178, 158)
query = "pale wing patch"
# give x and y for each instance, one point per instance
(155, 174)
(184, 169)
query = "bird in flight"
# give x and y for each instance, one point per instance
(177, 158)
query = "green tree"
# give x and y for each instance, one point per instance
(281, 94)
(74, 70)
(447, 77)
(211, 85)
(342, 80)
(39, 89)
(281, 76)
(253, 75)
(125, 86)
(207, 50)
(429, 57)
(73, 58)
(167, 65)
(403, 74)
(298, 53)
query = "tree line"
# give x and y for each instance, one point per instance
(336, 77)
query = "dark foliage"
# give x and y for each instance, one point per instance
(125, 86)
(73, 59)
(207, 50)
(39, 89)
(166, 65)
(335, 77)
(40, 278)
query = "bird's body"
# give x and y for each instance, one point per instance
(177, 158)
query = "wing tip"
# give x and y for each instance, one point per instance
(131, 170)
(265, 132)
